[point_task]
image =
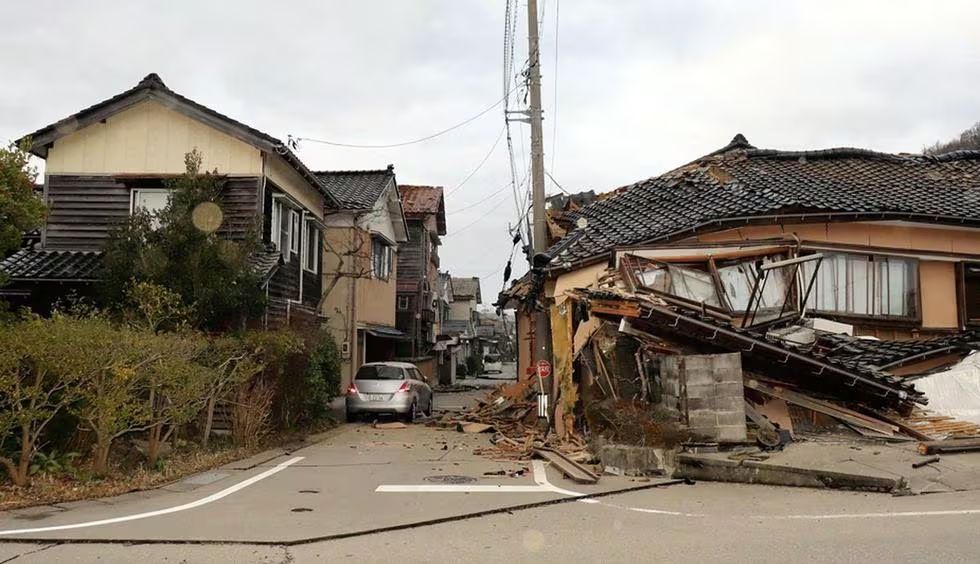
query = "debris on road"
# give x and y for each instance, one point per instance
(949, 445)
(925, 462)
(390, 425)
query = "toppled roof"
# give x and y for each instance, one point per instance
(153, 88)
(29, 265)
(357, 189)
(807, 367)
(879, 354)
(740, 183)
(419, 201)
(467, 288)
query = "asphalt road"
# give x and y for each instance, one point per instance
(369, 495)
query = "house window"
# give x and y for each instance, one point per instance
(284, 232)
(311, 254)
(380, 258)
(153, 200)
(971, 293)
(403, 302)
(870, 285)
(294, 239)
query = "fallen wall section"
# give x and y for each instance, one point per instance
(706, 391)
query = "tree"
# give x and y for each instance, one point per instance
(20, 209)
(968, 140)
(37, 381)
(179, 249)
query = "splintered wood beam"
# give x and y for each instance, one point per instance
(610, 307)
(952, 445)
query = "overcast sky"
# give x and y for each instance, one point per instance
(642, 85)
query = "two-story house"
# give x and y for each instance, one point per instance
(110, 158)
(463, 311)
(360, 252)
(418, 268)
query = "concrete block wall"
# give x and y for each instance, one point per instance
(706, 391)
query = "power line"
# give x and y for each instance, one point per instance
(548, 174)
(474, 204)
(412, 142)
(479, 219)
(483, 162)
(554, 105)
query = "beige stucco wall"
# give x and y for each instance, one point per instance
(937, 287)
(285, 177)
(337, 304)
(886, 234)
(149, 138)
(376, 299)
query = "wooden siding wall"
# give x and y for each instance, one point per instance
(82, 210)
(284, 284)
(239, 202)
(412, 261)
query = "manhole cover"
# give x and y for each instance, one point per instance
(449, 479)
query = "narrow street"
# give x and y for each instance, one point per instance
(420, 494)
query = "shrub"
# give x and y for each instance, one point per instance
(178, 250)
(322, 379)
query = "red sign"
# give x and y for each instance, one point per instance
(544, 368)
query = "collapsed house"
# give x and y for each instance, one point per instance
(797, 290)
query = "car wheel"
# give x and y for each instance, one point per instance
(349, 416)
(412, 412)
(428, 411)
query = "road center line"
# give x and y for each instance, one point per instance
(203, 501)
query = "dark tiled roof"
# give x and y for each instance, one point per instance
(467, 288)
(357, 189)
(152, 85)
(740, 181)
(265, 262)
(35, 265)
(873, 353)
(418, 201)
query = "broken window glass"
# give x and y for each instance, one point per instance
(693, 285)
(739, 280)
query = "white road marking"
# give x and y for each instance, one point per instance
(542, 485)
(203, 501)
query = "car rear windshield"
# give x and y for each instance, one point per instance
(380, 373)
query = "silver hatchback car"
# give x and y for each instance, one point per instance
(396, 388)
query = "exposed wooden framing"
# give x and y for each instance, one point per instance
(835, 411)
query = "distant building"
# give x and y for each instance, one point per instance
(418, 273)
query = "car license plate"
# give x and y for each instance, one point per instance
(376, 397)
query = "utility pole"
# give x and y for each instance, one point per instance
(542, 325)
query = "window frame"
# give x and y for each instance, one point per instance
(311, 235)
(381, 269)
(407, 302)
(873, 297)
(295, 243)
(134, 196)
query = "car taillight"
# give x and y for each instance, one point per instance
(352, 390)
(403, 388)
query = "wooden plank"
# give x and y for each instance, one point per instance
(951, 445)
(837, 412)
(571, 469)
(776, 412)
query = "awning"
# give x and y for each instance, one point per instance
(383, 332)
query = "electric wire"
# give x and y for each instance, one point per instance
(413, 141)
(483, 162)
